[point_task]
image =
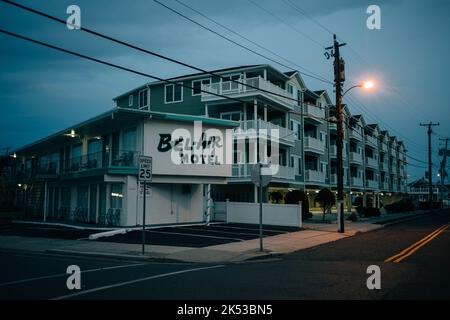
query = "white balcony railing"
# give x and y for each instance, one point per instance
(356, 157)
(355, 134)
(233, 89)
(371, 162)
(333, 179)
(244, 171)
(313, 144)
(372, 184)
(285, 135)
(314, 176)
(370, 140)
(315, 112)
(356, 182)
(333, 151)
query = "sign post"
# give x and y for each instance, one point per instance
(260, 181)
(144, 176)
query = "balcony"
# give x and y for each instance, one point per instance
(313, 176)
(371, 162)
(235, 90)
(285, 135)
(356, 182)
(383, 166)
(384, 186)
(99, 160)
(356, 158)
(394, 170)
(243, 171)
(371, 141)
(47, 168)
(355, 134)
(384, 147)
(372, 184)
(312, 144)
(333, 179)
(333, 152)
(314, 112)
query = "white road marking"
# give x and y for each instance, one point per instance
(120, 284)
(65, 274)
(194, 235)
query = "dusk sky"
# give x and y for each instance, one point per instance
(43, 91)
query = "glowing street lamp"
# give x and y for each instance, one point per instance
(366, 85)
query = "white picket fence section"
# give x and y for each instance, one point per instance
(273, 214)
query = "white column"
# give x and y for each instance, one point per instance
(45, 201)
(265, 112)
(256, 193)
(206, 110)
(265, 74)
(255, 109)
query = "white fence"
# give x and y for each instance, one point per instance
(245, 212)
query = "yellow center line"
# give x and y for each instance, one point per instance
(418, 244)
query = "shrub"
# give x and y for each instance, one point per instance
(352, 217)
(368, 211)
(294, 197)
(276, 196)
(400, 206)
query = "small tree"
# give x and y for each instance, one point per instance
(326, 199)
(294, 197)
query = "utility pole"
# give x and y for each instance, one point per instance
(339, 78)
(443, 172)
(430, 171)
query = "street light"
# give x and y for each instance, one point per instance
(367, 85)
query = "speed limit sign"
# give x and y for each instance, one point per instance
(145, 169)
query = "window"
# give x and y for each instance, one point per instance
(129, 140)
(143, 99)
(290, 88)
(116, 196)
(235, 116)
(197, 86)
(299, 166)
(130, 100)
(174, 93)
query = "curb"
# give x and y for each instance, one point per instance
(111, 256)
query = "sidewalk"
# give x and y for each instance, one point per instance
(313, 235)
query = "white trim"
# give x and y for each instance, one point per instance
(173, 94)
(146, 106)
(201, 83)
(130, 100)
(231, 113)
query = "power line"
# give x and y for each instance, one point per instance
(237, 43)
(286, 24)
(98, 34)
(246, 38)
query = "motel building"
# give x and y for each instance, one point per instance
(88, 173)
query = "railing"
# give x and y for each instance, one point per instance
(333, 151)
(244, 171)
(356, 157)
(47, 168)
(314, 176)
(373, 184)
(357, 182)
(384, 185)
(232, 88)
(333, 179)
(313, 111)
(355, 134)
(371, 141)
(383, 146)
(314, 144)
(371, 162)
(284, 134)
(123, 158)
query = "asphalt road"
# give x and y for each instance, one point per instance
(332, 271)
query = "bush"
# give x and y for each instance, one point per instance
(276, 196)
(426, 205)
(400, 206)
(294, 197)
(368, 211)
(352, 217)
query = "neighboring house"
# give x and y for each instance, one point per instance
(98, 169)
(419, 191)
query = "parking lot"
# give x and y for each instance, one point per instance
(197, 236)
